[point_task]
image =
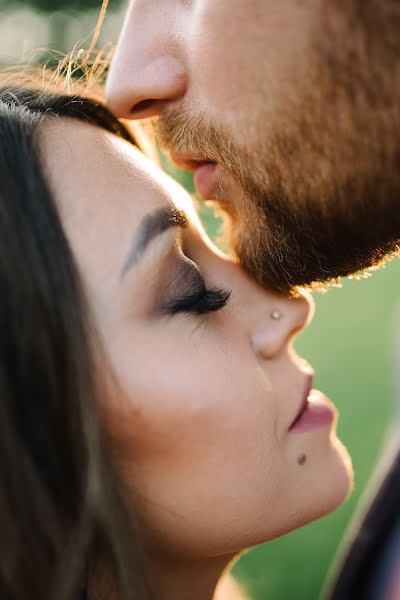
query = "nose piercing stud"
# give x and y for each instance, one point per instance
(276, 315)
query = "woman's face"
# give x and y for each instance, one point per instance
(200, 392)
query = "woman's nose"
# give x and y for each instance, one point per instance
(280, 322)
(146, 72)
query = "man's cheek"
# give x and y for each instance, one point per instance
(218, 76)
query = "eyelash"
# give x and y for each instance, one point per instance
(200, 302)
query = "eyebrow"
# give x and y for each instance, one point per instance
(151, 226)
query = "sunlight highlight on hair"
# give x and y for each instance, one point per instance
(81, 71)
(99, 25)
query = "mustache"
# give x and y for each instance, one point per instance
(196, 136)
(183, 133)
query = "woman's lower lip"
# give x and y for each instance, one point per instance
(318, 413)
(206, 180)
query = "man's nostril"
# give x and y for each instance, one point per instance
(150, 107)
(143, 105)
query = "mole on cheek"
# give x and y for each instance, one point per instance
(301, 459)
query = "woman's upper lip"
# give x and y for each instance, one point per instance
(304, 401)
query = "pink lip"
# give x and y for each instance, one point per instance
(187, 162)
(206, 180)
(205, 173)
(315, 411)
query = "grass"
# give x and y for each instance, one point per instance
(351, 345)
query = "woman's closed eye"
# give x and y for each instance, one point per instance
(190, 294)
(199, 302)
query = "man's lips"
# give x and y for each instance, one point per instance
(206, 174)
(206, 181)
(187, 162)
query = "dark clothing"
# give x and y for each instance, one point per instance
(368, 570)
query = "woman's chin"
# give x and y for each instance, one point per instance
(339, 486)
(345, 469)
(336, 484)
(331, 488)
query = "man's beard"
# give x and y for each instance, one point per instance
(319, 191)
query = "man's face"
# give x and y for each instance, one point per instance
(288, 112)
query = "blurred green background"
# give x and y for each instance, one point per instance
(351, 343)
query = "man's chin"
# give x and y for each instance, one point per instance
(287, 273)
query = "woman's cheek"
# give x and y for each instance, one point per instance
(175, 414)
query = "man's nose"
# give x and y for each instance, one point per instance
(147, 71)
(279, 323)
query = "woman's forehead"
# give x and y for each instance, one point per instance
(103, 188)
(95, 166)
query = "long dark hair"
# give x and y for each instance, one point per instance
(61, 508)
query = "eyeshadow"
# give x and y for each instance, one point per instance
(183, 276)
